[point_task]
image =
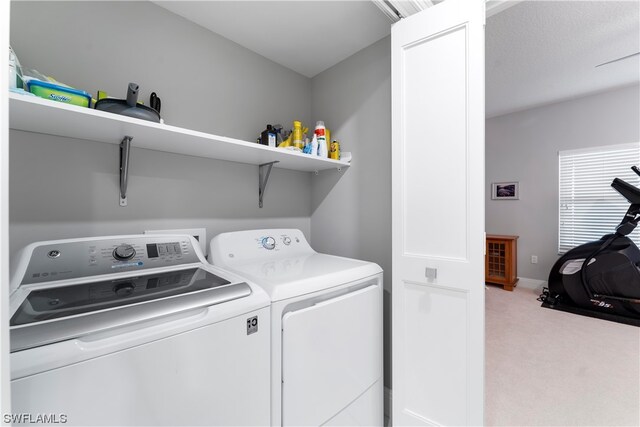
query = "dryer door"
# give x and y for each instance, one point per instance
(331, 355)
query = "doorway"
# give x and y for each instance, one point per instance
(545, 93)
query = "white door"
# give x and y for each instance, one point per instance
(438, 215)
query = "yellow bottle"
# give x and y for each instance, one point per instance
(286, 143)
(298, 143)
(334, 153)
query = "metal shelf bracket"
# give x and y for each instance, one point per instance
(125, 149)
(264, 170)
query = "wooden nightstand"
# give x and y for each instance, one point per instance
(501, 261)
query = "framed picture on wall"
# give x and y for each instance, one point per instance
(505, 191)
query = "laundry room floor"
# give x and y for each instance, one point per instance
(547, 367)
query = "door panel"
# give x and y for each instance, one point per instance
(438, 215)
(436, 339)
(433, 137)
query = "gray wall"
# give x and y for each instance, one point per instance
(206, 82)
(62, 188)
(352, 214)
(524, 147)
(68, 188)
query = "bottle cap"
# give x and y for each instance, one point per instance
(297, 124)
(319, 123)
(268, 127)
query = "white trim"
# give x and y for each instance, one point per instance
(388, 11)
(5, 396)
(408, 8)
(494, 7)
(598, 149)
(404, 8)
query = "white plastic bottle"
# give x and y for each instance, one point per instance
(320, 133)
(314, 145)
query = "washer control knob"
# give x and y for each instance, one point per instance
(124, 252)
(269, 243)
(286, 240)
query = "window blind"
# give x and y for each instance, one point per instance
(589, 206)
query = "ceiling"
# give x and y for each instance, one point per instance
(537, 52)
(305, 36)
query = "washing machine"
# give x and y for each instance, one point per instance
(136, 330)
(326, 326)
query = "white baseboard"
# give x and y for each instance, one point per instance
(531, 283)
(388, 396)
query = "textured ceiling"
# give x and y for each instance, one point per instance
(539, 52)
(305, 36)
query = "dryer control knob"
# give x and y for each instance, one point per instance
(124, 252)
(286, 240)
(269, 243)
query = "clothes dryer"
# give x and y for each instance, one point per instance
(326, 326)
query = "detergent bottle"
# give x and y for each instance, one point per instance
(320, 133)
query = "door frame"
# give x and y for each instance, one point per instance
(5, 380)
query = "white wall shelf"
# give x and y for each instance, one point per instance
(39, 115)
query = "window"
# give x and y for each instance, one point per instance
(589, 206)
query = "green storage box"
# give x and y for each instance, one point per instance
(59, 93)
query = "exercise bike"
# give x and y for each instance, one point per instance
(601, 278)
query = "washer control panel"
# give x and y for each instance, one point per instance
(73, 259)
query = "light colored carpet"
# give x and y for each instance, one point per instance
(547, 367)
